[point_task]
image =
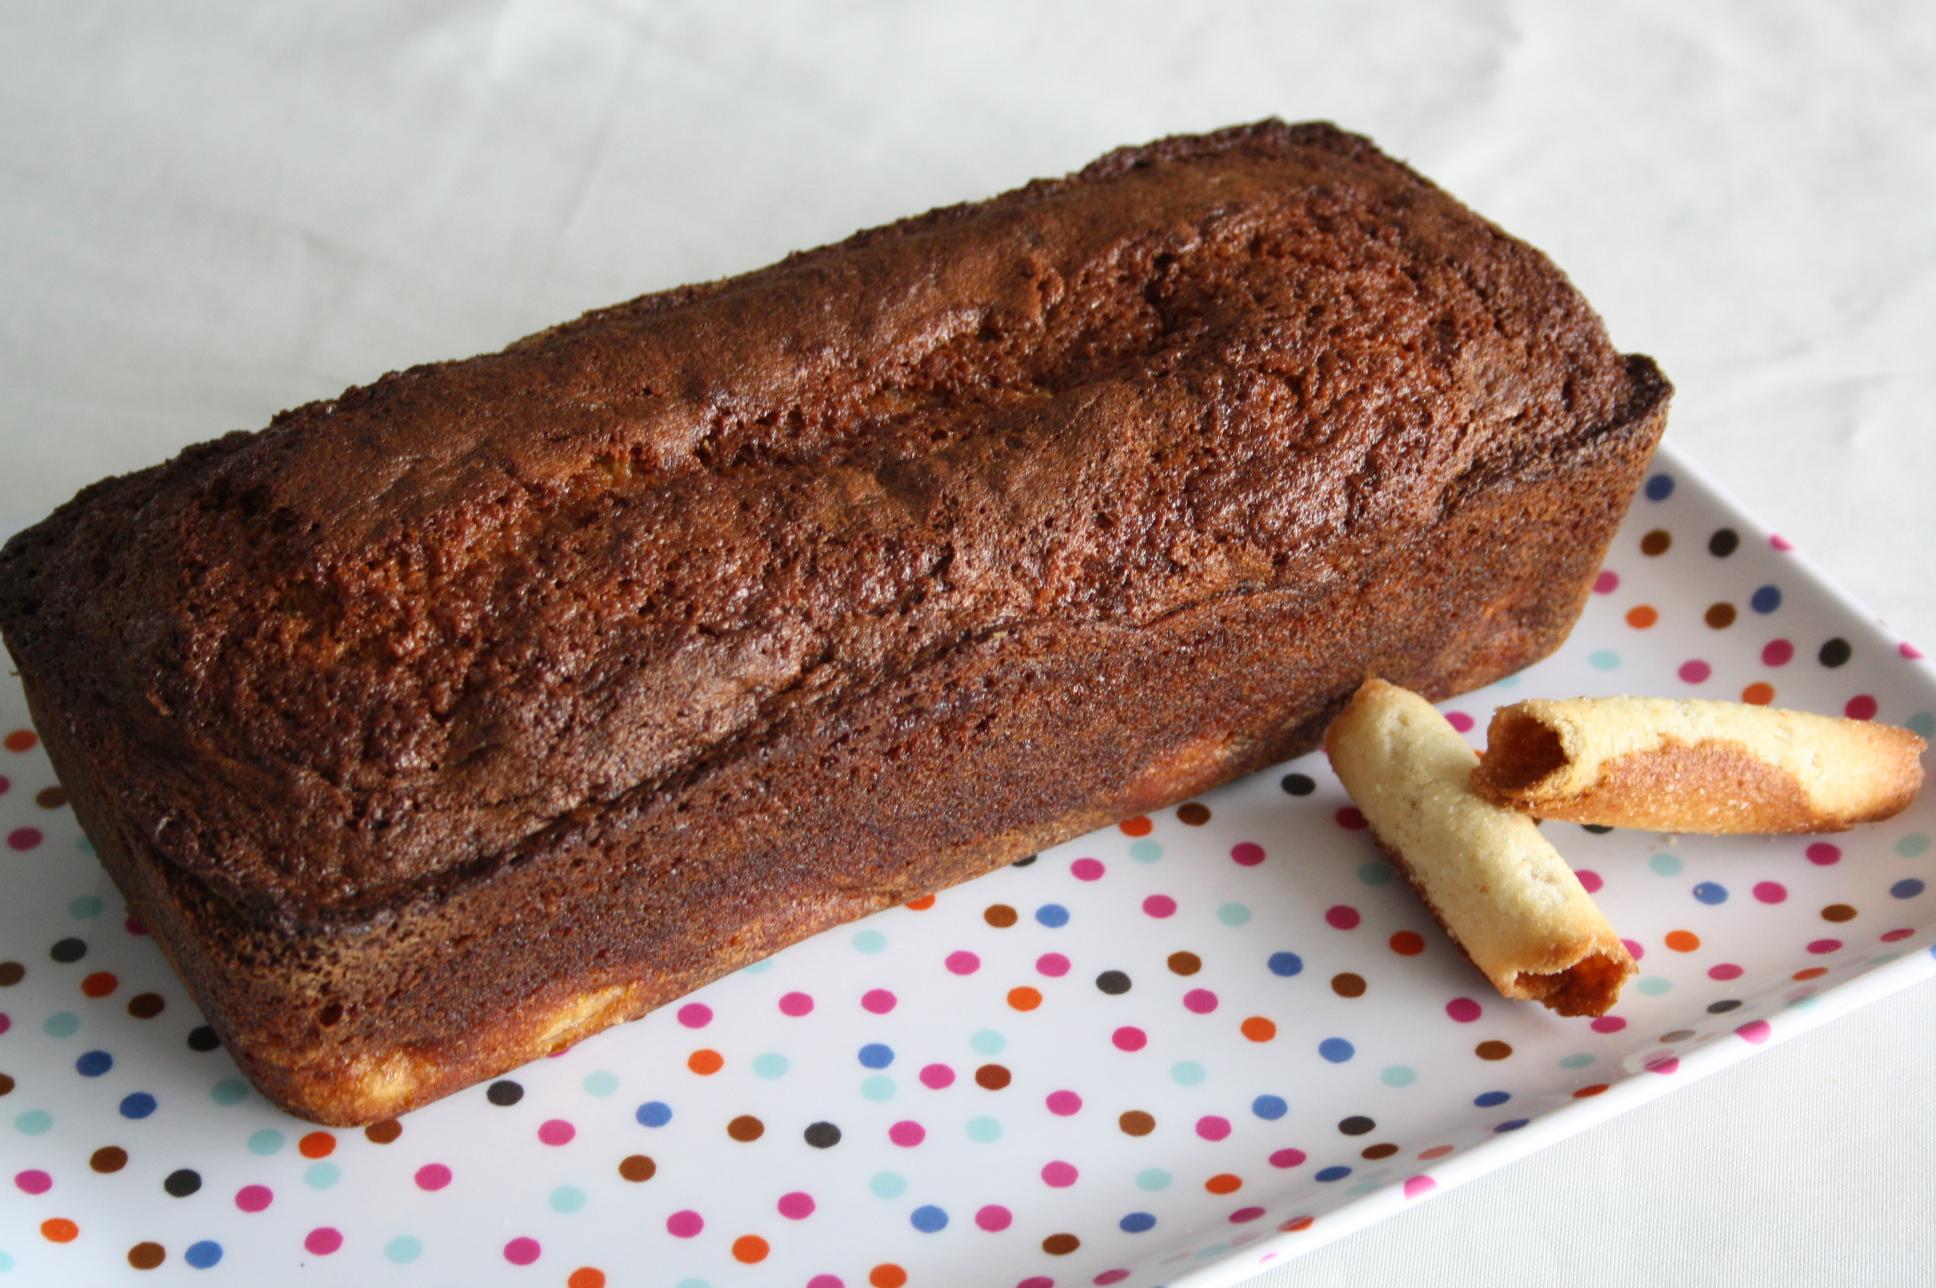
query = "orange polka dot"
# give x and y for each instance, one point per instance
(1138, 826)
(1641, 616)
(1683, 941)
(1759, 693)
(317, 1144)
(922, 904)
(705, 1061)
(1407, 944)
(750, 1248)
(1586, 1092)
(586, 1277)
(1296, 1225)
(100, 984)
(55, 1229)
(1024, 998)
(887, 1275)
(1259, 1029)
(1224, 1183)
(1813, 972)
(23, 740)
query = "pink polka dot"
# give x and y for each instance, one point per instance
(521, 1251)
(937, 1076)
(1663, 1066)
(1770, 891)
(1822, 946)
(1200, 1000)
(963, 962)
(1054, 965)
(1755, 1031)
(1608, 1024)
(1059, 1175)
(5, 784)
(1459, 720)
(1694, 670)
(1129, 1038)
(1351, 820)
(1286, 1157)
(685, 1224)
(33, 1181)
(1860, 707)
(1589, 880)
(1087, 869)
(134, 927)
(1893, 936)
(1634, 948)
(1159, 905)
(1777, 653)
(1063, 1103)
(323, 1240)
(1607, 582)
(1111, 1277)
(1780, 542)
(556, 1131)
(24, 838)
(1213, 1127)
(1036, 1281)
(254, 1198)
(1247, 853)
(1245, 1214)
(433, 1176)
(1417, 1185)
(1341, 916)
(1909, 651)
(1724, 971)
(877, 1000)
(1464, 1009)
(907, 1133)
(6, 1021)
(695, 1015)
(826, 1281)
(994, 1218)
(1823, 854)
(796, 1004)
(796, 1205)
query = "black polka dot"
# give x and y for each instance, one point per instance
(1297, 784)
(822, 1135)
(504, 1092)
(1723, 1006)
(68, 950)
(11, 973)
(1356, 1125)
(1023, 862)
(1723, 543)
(1113, 982)
(1835, 652)
(202, 1038)
(1598, 829)
(182, 1182)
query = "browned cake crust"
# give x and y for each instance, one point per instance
(500, 700)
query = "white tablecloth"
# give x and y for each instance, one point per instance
(211, 211)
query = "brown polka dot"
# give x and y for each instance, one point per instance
(1492, 1049)
(746, 1128)
(1656, 542)
(108, 1158)
(6, 1084)
(146, 1256)
(1720, 616)
(999, 915)
(993, 1077)
(1347, 984)
(1060, 1245)
(1376, 1152)
(1185, 963)
(50, 797)
(1677, 1035)
(384, 1132)
(145, 1006)
(1195, 813)
(637, 1167)
(1135, 1122)
(11, 973)
(1838, 912)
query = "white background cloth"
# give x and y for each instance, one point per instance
(212, 211)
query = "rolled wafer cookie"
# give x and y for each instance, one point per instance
(1500, 890)
(1671, 765)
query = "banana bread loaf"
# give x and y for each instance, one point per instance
(450, 720)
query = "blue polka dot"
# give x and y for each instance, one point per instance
(1145, 851)
(202, 1253)
(1487, 1099)
(403, 1249)
(1907, 888)
(1269, 1108)
(1660, 487)
(61, 1024)
(93, 1064)
(928, 1219)
(654, 1113)
(1052, 915)
(1336, 1050)
(35, 1122)
(1709, 892)
(869, 941)
(1329, 1174)
(85, 906)
(876, 1055)
(321, 1176)
(1603, 659)
(1285, 964)
(1512, 1124)
(1766, 599)
(137, 1104)
(265, 1142)
(1137, 1223)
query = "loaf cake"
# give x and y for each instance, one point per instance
(445, 722)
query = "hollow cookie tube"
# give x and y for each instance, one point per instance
(1502, 892)
(1671, 765)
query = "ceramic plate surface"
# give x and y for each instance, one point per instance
(1169, 1053)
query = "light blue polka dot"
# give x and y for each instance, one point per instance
(877, 1088)
(1362, 1187)
(1912, 846)
(1603, 659)
(1667, 865)
(1188, 1073)
(1803, 1003)
(6, 1263)
(984, 1130)
(988, 1042)
(34, 1122)
(85, 846)
(1506, 681)
(1653, 985)
(229, 1091)
(567, 1199)
(869, 941)
(770, 1064)
(888, 1185)
(1209, 1250)
(758, 968)
(1375, 873)
(1153, 1179)
(320, 1176)
(61, 1024)
(692, 1283)
(1145, 851)
(84, 906)
(1234, 915)
(1923, 723)
(1578, 1060)
(1398, 1075)
(1883, 959)
(403, 1249)
(265, 1142)
(601, 1082)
